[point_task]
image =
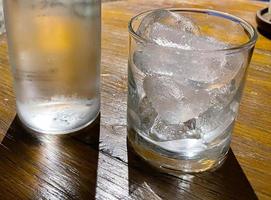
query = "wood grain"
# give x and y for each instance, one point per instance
(96, 163)
(7, 100)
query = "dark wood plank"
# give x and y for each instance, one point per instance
(46, 167)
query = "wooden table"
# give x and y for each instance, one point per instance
(97, 163)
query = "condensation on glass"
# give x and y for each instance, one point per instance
(54, 49)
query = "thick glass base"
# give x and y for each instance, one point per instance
(176, 164)
(61, 130)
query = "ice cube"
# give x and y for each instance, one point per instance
(234, 68)
(165, 95)
(153, 59)
(209, 70)
(168, 57)
(137, 76)
(235, 61)
(169, 36)
(221, 96)
(169, 18)
(133, 119)
(133, 93)
(223, 91)
(201, 68)
(194, 102)
(147, 114)
(196, 67)
(214, 122)
(162, 131)
(173, 102)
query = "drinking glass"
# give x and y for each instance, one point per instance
(185, 81)
(54, 50)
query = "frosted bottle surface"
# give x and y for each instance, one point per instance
(54, 49)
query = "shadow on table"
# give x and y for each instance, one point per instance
(228, 182)
(47, 166)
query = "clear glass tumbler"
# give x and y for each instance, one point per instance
(54, 49)
(186, 74)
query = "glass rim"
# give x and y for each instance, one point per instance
(245, 24)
